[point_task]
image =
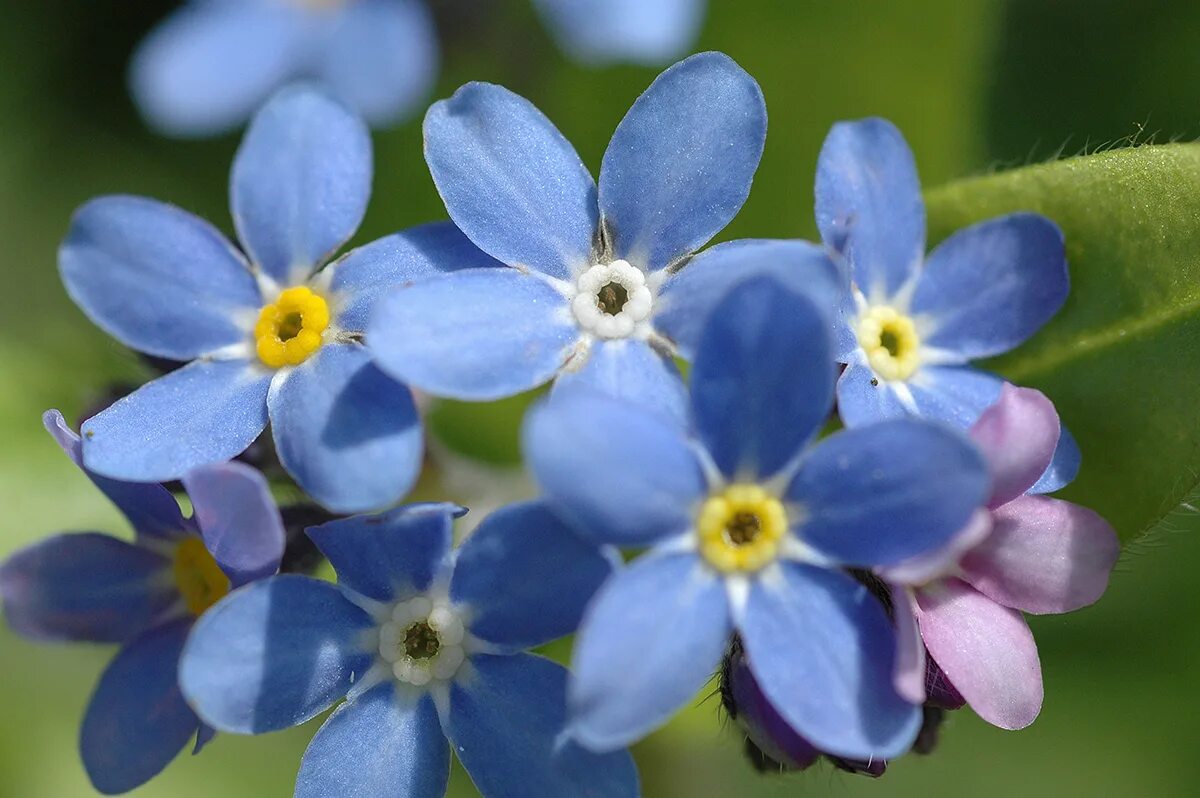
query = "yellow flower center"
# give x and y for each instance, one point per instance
(289, 330)
(200, 580)
(741, 528)
(891, 342)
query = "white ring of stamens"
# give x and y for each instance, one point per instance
(593, 318)
(443, 621)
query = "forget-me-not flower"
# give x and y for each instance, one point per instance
(270, 335)
(212, 63)
(605, 31)
(912, 324)
(427, 644)
(748, 528)
(1026, 553)
(591, 289)
(144, 595)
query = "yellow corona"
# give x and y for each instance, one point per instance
(291, 328)
(741, 528)
(200, 580)
(891, 342)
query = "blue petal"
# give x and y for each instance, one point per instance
(955, 394)
(206, 412)
(381, 59)
(300, 182)
(888, 491)
(822, 648)
(390, 556)
(207, 68)
(633, 371)
(511, 181)
(156, 278)
(151, 509)
(347, 433)
(377, 746)
(526, 576)
(367, 273)
(85, 586)
(679, 165)
(274, 654)
(137, 721)
(989, 287)
(1063, 468)
(688, 297)
(238, 520)
(869, 204)
(862, 398)
(626, 475)
(602, 31)
(505, 723)
(762, 383)
(479, 334)
(651, 639)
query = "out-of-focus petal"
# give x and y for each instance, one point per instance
(909, 676)
(603, 31)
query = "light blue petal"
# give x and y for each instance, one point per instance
(624, 474)
(631, 370)
(274, 654)
(650, 640)
(603, 31)
(688, 297)
(156, 278)
(869, 204)
(526, 576)
(238, 520)
(381, 58)
(85, 586)
(377, 746)
(346, 432)
(506, 722)
(300, 182)
(479, 334)
(954, 394)
(888, 491)
(209, 65)
(762, 383)
(863, 398)
(390, 556)
(1063, 468)
(822, 647)
(137, 721)
(511, 181)
(204, 413)
(679, 165)
(151, 509)
(365, 274)
(989, 287)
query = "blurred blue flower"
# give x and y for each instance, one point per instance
(604, 31)
(427, 645)
(269, 335)
(592, 288)
(144, 595)
(748, 528)
(911, 325)
(212, 63)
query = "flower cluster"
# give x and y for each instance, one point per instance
(848, 586)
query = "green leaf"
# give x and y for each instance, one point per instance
(1122, 358)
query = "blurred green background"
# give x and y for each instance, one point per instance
(974, 85)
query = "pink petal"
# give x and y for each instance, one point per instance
(909, 675)
(942, 562)
(1018, 435)
(985, 649)
(1044, 556)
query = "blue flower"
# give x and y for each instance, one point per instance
(911, 325)
(604, 31)
(592, 290)
(271, 335)
(212, 63)
(427, 644)
(748, 528)
(144, 595)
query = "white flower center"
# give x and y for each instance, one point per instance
(423, 642)
(612, 299)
